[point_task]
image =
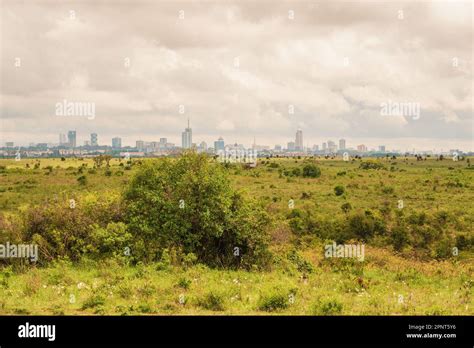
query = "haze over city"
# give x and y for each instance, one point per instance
(240, 70)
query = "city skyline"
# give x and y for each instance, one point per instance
(407, 86)
(329, 146)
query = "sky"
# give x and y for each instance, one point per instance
(240, 70)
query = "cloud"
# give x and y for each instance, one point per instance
(237, 67)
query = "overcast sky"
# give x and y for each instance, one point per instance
(241, 70)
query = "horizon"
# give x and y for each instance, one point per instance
(240, 70)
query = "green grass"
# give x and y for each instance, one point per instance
(386, 283)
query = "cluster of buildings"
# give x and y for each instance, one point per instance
(68, 146)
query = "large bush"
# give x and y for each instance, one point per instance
(189, 204)
(65, 230)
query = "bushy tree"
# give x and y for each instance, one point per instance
(189, 204)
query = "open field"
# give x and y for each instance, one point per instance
(422, 275)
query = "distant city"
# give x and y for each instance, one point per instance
(68, 147)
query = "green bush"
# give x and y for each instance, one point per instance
(346, 207)
(327, 307)
(273, 302)
(339, 190)
(311, 171)
(189, 203)
(371, 165)
(212, 301)
(82, 180)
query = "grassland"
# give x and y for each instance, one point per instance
(387, 282)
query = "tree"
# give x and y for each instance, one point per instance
(189, 204)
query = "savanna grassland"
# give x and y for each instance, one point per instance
(418, 256)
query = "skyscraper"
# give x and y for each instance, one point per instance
(219, 144)
(342, 144)
(187, 137)
(116, 143)
(331, 146)
(299, 140)
(62, 139)
(71, 137)
(140, 145)
(94, 140)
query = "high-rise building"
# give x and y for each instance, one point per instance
(299, 140)
(9, 144)
(342, 144)
(291, 146)
(140, 145)
(71, 137)
(62, 139)
(382, 148)
(325, 147)
(187, 138)
(203, 146)
(331, 146)
(94, 139)
(277, 147)
(87, 143)
(116, 143)
(362, 148)
(219, 144)
(316, 148)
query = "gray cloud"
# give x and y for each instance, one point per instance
(237, 67)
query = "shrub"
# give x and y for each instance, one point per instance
(212, 301)
(327, 307)
(364, 225)
(346, 207)
(64, 232)
(301, 264)
(82, 180)
(311, 171)
(189, 203)
(371, 165)
(399, 237)
(339, 190)
(273, 302)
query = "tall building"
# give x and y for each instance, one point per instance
(9, 144)
(116, 143)
(203, 146)
(382, 148)
(291, 146)
(362, 148)
(316, 148)
(332, 146)
(140, 145)
(342, 144)
(299, 140)
(94, 139)
(219, 144)
(62, 139)
(71, 138)
(324, 147)
(187, 138)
